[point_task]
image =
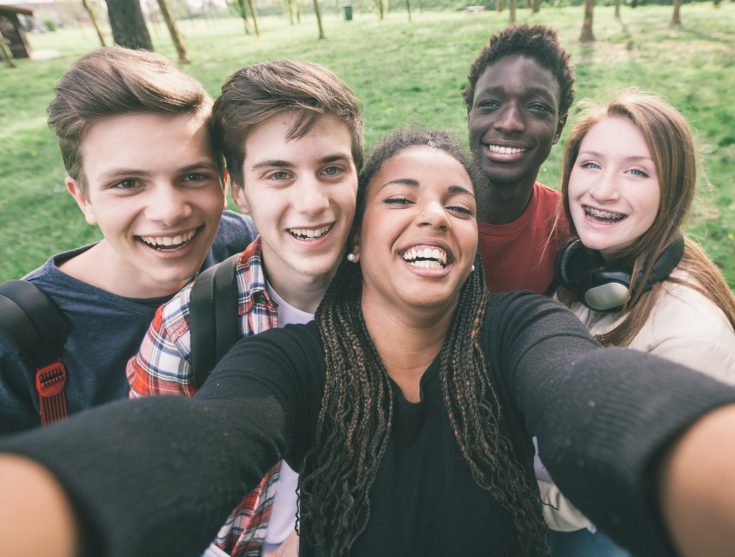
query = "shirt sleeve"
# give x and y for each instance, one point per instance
(18, 410)
(602, 415)
(162, 365)
(167, 488)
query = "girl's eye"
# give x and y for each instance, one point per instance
(589, 164)
(397, 201)
(461, 210)
(638, 172)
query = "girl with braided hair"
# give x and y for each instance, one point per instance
(408, 408)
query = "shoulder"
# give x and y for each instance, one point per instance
(546, 194)
(234, 233)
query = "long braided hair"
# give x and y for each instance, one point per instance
(356, 415)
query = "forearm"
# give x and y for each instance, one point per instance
(697, 487)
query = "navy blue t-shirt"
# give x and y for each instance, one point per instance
(105, 330)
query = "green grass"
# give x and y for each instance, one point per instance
(403, 72)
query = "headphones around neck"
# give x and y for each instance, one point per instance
(603, 288)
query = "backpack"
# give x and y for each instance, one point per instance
(33, 328)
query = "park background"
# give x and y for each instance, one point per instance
(403, 71)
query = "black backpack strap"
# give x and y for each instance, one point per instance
(33, 328)
(214, 321)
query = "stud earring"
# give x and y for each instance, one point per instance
(473, 268)
(351, 257)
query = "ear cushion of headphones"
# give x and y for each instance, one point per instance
(602, 288)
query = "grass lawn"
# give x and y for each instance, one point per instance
(403, 72)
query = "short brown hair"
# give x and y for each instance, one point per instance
(112, 81)
(257, 92)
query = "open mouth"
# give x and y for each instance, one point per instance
(310, 233)
(605, 217)
(169, 243)
(432, 258)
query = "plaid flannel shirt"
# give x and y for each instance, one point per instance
(162, 367)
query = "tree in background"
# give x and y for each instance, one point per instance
(587, 36)
(499, 6)
(676, 16)
(241, 9)
(408, 9)
(174, 32)
(88, 8)
(253, 15)
(127, 24)
(512, 9)
(617, 9)
(380, 7)
(535, 6)
(318, 15)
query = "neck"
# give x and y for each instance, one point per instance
(407, 341)
(302, 292)
(503, 203)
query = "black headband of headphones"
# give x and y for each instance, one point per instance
(603, 288)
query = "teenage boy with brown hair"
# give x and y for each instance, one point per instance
(133, 133)
(291, 133)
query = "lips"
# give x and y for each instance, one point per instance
(426, 257)
(170, 242)
(310, 233)
(606, 217)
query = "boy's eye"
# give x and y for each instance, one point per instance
(488, 104)
(127, 184)
(541, 107)
(196, 177)
(332, 170)
(278, 176)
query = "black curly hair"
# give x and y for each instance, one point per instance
(535, 41)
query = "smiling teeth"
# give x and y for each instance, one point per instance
(505, 150)
(177, 241)
(309, 233)
(426, 258)
(603, 215)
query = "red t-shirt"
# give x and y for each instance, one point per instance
(519, 255)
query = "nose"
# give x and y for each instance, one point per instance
(434, 215)
(168, 204)
(605, 188)
(510, 119)
(311, 197)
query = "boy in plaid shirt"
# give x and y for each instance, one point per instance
(291, 133)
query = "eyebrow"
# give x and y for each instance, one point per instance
(415, 184)
(271, 163)
(122, 171)
(530, 92)
(590, 153)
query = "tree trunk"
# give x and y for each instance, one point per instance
(254, 16)
(408, 9)
(127, 24)
(90, 13)
(318, 15)
(587, 36)
(242, 10)
(536, 5)
(512, 6)
(381, 9)
(499, 5)
(5, 52)
(174, 32)
(676, 16)
(617, 9)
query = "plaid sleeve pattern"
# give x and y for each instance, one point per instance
(162, 367)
